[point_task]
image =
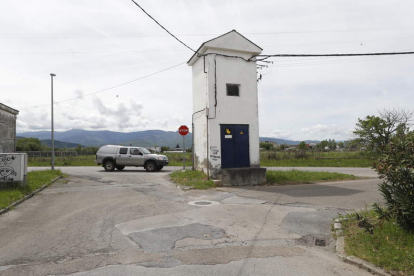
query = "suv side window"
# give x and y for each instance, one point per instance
(123, 150)
(134, 152)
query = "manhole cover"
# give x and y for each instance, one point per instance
(203, 203)
(319, 242)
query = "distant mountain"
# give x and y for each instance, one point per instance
(58, 144)
(147, 138)
(287, 142)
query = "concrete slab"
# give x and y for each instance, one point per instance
(241, 222)
(242, 200)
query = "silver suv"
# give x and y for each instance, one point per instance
(111, 157)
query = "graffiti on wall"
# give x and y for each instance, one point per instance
(7, 172)
(214, 153)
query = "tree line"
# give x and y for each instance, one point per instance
(34, 144)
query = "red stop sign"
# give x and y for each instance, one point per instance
(183, 130)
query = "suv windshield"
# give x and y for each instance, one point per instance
(144, 150)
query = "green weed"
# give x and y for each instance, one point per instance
(195, 179)
(387, 246)
(35, 180)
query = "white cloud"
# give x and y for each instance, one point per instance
(315, 98)
(282, 134)
(322, 132)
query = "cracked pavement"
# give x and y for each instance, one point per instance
(133, 223)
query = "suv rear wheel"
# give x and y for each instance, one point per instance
(151, 166)
(109, 166)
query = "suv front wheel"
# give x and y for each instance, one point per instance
(151, 166)
(109, 166)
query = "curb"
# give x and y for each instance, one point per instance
(340, 251)
(14, 204)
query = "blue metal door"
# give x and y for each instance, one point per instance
(235, 146)
(242, 158)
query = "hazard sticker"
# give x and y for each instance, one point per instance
(241, 132)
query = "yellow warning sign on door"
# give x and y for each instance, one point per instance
(241, 132)
(228, 131)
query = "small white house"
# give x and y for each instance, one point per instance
(225, 104)
(8, 117)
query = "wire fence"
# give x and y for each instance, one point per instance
(57, 153)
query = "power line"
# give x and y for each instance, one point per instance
(332, 55)
(162, 26)
(106, 89)
(87, 52)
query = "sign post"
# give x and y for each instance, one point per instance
(183, 130)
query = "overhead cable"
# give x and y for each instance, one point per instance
(331, 55)
(109, 88)
(162, 26)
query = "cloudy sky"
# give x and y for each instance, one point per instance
(94, 46)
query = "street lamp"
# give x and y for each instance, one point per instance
(53, 134)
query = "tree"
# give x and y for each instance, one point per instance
(78, 149)
(377, 131)
(332, 144)
(267, 146)
(29, 144)
(302, 145)
(395, 166)
(283, 146)
(323, 144)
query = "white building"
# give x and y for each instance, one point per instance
(8, 117)
(225, 104)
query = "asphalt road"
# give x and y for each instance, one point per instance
(138, 223)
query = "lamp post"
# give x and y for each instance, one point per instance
(53, 134)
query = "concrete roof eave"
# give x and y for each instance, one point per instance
(8, 109)
(231, 41)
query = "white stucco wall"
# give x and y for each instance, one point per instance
(200, 102)
(230, 109)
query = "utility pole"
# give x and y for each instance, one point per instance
(53, 133)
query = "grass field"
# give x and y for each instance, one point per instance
(175, 159)
(198, 180)
(34, 181)
(313, 162)
(389, 246)
(268, 159)
(303, 177)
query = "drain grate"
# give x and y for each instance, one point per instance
(319, 242)
(203, 203)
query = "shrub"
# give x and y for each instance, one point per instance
(396, 166)
(272, 156)
(301, 154)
